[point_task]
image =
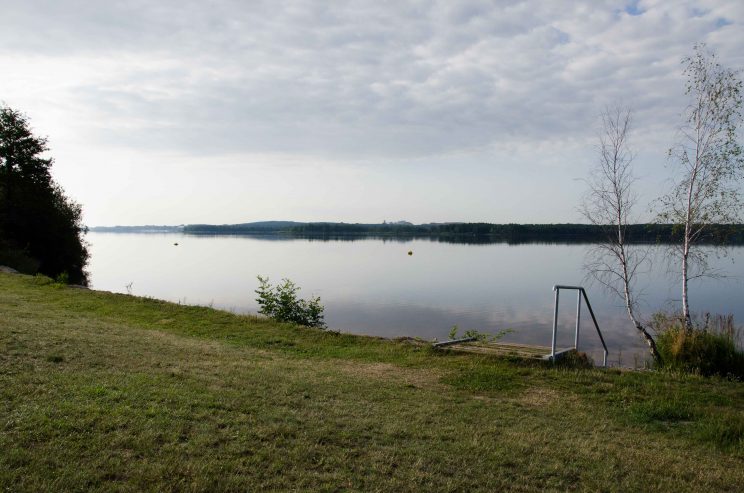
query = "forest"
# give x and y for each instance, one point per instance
(732, 234)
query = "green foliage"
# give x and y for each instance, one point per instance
(281, 303)
(62, 278)
(102, 391)
(699, 348)
(479, 336)
(710, 159)
(38, 223)
(575, 360)
(42, 280)
(706, 186)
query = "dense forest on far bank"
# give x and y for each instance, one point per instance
(732, 234)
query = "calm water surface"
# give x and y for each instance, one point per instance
(370, 286)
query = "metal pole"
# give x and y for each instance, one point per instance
(596, 325)
(594, 319)
(578, 319)
(555, 324)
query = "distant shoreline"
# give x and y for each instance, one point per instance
(477, 233)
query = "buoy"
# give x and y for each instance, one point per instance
(410, 252)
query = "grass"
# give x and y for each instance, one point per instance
(705, 348)
(107, 392)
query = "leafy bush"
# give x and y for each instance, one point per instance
(280, 303)
(705, 348)
(575, 360)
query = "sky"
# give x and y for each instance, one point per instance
(178, 112)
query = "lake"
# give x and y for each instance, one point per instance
(372, 286)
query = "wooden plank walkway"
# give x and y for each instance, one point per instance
(502, 349)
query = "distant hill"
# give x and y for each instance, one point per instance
(270, 224)
(260, 226)
(136, 229)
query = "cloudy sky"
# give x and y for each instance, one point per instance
(171, 112)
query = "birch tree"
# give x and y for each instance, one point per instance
(708, 163)
(608, 203)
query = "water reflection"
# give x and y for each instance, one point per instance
(439, 238)
(372, 286)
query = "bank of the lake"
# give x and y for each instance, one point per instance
(373, 287)
(105, 391)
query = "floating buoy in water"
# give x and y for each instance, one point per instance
(410, 252)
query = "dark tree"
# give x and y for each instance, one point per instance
(38, 222)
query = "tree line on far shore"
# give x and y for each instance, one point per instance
(512, 233)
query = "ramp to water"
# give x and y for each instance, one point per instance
(471, 344)
(527, 351)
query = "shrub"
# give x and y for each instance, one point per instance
(575, 360)
(280, 303)
(704, 348)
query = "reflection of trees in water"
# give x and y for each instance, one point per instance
(466, 233)
(437, 238)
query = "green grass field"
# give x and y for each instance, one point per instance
(109, 392)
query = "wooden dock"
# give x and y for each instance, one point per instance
(526, 351)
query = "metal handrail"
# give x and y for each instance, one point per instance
(581, 291)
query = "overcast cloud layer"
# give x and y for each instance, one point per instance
(184, 112)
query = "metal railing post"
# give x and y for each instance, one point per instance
(581, 292)
(596, 325)
(578, 319)
(555, 323)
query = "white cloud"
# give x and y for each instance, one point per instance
(376, 84)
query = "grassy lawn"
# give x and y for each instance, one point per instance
(108, 392)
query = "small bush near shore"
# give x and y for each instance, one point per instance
(575, 360)
(280, 303)
(707, 347)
